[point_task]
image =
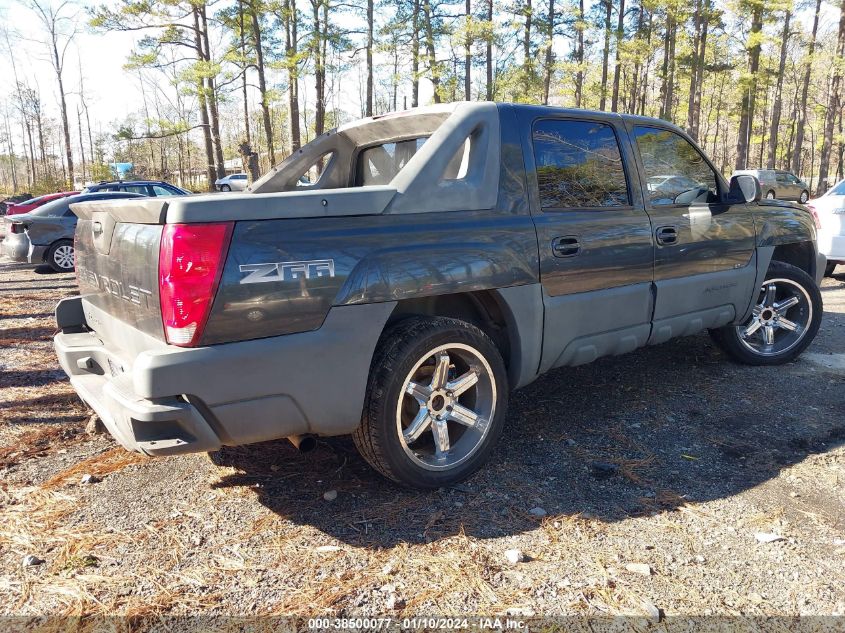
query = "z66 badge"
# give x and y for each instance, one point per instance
(287, 271)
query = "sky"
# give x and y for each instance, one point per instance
(111, 92)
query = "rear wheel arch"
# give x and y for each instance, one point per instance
(482, 309)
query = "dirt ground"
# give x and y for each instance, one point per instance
(672, 480)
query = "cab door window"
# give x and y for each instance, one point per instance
(675, 171)
(579, 165)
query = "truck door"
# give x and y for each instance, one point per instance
(704, 264)
(595, 239)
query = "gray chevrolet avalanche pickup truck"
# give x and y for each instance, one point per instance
(398, 276)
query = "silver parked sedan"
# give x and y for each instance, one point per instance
(45, 235)
(779, 184)
(232, 182)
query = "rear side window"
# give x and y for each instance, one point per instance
(675, 171)
(579, 165)
(142, 189)
(52, 209)
(379, 164)
(158, 190)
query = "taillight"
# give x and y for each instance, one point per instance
(17, 227)
(189, 267)
(815, 215)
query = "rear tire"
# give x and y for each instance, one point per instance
(435, 403)
(61, 257)
(785, 320)
(805, 195)
(829, 269)
(770, 195)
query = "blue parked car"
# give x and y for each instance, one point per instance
(150, 188)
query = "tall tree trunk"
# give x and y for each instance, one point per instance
(774, 125)
(635, 82)
(433, 67)
(257, 40)
(210, 170)
(805, 88)
(212, 101)
(749, 93)
(58, 66)
(415, 55)
(617, 66)
(579, 57)
(693, 76)
(667, 90)
(243, 76)
(319, 69)
(32, 176)
(291, 44)
(840, 164)
(701, 62)
(12, 156)
(528, 10)
(395, 74)
(468, 52)
(834, 103)
(608, 9)
(764, 111)
(550, 56)
(369, 110)
(489, 51)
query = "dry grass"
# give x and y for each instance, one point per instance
(111, 461)
(36, 443)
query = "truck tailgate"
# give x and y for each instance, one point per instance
(117, 269)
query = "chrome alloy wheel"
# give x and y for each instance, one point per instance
(63, 257)
(447, 402)
(779, 320)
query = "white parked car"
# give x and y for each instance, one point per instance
(232, 182)
(830, 209)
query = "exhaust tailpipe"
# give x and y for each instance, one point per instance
(303, 443)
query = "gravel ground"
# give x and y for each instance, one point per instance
(643, 483)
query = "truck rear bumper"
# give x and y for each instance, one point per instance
(165, 426)
(170, 400)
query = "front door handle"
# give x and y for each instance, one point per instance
(567, 246)
(667, 235)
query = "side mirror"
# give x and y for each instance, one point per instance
(744, 188)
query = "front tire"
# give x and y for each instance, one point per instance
(61, 257)
(805, 195)
(435, 404)
(770, 195)
(828, 270)
(784, 321)
(225, 188)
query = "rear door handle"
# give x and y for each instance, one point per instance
(667, 235)
(566, 246)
